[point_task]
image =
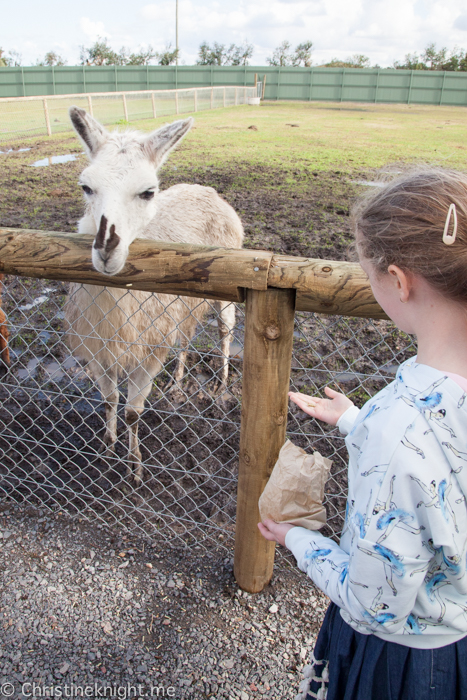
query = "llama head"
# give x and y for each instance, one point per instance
(120, 185)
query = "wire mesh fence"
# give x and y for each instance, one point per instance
(38, 116)
(53, 417)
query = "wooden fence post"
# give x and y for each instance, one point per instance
(90, 105)
(269, 323)
(47, 120)
(153, 99)
(196, 100)
(125, 108)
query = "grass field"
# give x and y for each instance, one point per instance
(329, 135)
(21, 119)
(290, 169)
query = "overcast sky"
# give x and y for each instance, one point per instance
(384, 30)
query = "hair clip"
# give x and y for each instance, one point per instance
(449, 238)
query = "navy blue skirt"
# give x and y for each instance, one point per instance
(347, 665)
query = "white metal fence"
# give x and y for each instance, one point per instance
(52, 419)
(23, 117)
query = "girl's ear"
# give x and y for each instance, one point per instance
(402, 280)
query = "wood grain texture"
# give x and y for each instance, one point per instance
(325, 286)
(269, 322)
(322, 286)
(152, 266)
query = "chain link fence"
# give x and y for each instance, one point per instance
(25, 117)
(52, 419)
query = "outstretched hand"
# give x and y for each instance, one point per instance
(275, 532)
(328, 410)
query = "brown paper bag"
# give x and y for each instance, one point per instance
(295, 490)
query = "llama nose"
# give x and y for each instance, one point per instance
(104, 248)
(103, 254)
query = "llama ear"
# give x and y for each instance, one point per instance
(91, 133)
(159, 144)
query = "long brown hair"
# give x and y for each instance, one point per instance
(403, 224)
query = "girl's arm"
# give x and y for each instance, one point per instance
(328, 410)
(391, 547)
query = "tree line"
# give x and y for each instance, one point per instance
(217, 54)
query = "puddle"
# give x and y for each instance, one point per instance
(202, 378)
(353, 376)
(55, 370)
(37, 301)
(53, 160)
(349, 376)
(12, 150)
(369, 183)
(236, 350)
(389, 369)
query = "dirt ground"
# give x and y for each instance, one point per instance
(52, 418)
(290, 211)
(296, 212)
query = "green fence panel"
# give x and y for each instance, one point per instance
(282, 83)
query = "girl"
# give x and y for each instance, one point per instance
(397, 624)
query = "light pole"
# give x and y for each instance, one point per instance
(176, 30)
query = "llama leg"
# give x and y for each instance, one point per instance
(107, 382)
(187, 331)
(180, 367)
(4, 351)
(139, 387)
(225, 324)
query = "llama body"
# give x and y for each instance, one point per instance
(130, 333)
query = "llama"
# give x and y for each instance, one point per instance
(130, 333)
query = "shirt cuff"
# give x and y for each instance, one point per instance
(298, 539)
(347, 419)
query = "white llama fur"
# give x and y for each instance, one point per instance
(130, 333)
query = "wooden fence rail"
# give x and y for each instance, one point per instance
(273, 287)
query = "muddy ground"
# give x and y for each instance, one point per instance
(297, 212)
(51, 410)
(51, 428)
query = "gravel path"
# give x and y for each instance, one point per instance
(93, 612)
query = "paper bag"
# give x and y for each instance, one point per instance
(295, 490)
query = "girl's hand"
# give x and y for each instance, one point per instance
(275, 532)
(327, 410)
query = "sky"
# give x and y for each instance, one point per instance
(383, 30)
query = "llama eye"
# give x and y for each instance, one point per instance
(86, 189)
(149, 194)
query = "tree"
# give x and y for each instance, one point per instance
(14, 59)
(143, 58)
(303, 54)
(411, 62)
(281, 56)
(51, 59)
(4, 61)
(239, 55)
(358, 60)
(101, 54)
(167, 57)
(220, 55)
(433, 59)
